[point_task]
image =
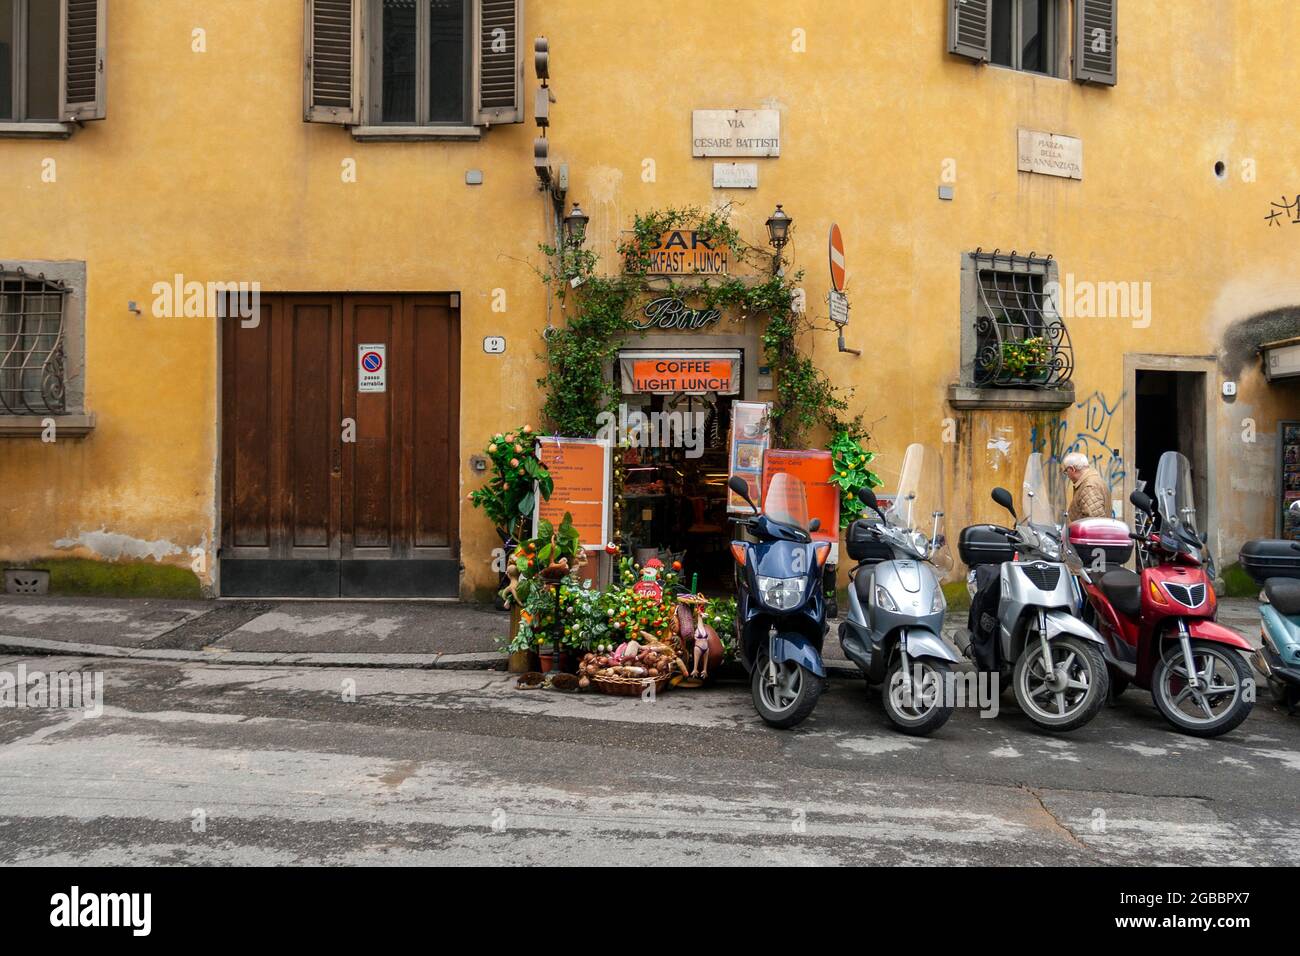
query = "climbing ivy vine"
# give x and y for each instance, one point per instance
(601, 313)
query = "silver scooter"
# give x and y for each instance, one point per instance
(896, 604)
(1024, 600)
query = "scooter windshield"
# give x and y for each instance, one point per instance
(1175, 498)
(919, 505)
(786, 502)
(1042, 498)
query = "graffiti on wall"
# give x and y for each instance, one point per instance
(1284, 211)
(1095, 418)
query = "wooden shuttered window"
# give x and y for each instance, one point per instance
(333, 62)
(83, 28)
(970, 28)
(1094, 41)
(499, 63)
(336, 60)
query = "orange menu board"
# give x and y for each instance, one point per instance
(580, 469)
(814, 469)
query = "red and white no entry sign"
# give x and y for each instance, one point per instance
(837, 259)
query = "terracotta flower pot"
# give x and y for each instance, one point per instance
(546, 655)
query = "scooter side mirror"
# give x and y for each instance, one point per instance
(741, 487)
(1003, 497)
(1142, 501)
(814, 525)
(868, 498)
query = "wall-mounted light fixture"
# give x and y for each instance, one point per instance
(778, 234)
(575, 226)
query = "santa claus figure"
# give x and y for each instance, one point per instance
(649, 585)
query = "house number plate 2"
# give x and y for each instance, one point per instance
(494, 344)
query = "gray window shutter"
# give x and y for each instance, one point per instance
(332, 62)
(970, 24)
(499, 66)
(1094, 41)
(83, 93)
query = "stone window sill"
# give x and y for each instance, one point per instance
(50, 130)
(967, 397)
(77, 425)
(415, 134)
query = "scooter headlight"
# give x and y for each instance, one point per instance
(782, 594)
(884, 600)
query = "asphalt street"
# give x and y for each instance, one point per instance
(209, 763)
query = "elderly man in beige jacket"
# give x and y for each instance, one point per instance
(1090, 499)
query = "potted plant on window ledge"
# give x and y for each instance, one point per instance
(1027, 361)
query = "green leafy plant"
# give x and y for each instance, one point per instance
(852, 472)
(1027, 359)
(508, 496)
(721, 614)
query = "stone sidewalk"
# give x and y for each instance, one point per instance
(420, 634)
(345, 633)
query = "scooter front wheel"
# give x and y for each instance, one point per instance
(1215, 702)
(784, 693)
(919, 706)
(1069, 694)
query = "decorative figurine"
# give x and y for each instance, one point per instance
(649, 584)
(692, 625)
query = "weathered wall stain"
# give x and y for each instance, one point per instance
(113, 546)
(1241, 341)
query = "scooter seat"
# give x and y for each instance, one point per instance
(1123, 588)
(1283, 594)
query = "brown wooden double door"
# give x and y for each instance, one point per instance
(328, 491)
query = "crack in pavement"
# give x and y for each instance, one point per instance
(1057, 824)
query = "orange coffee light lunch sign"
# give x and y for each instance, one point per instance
(684, 252)
(672, 375)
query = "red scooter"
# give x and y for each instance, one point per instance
(1159, 623)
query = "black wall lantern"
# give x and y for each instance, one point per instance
(575, 226)
(778, 234)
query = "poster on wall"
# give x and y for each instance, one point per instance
(814, 469)
(580, 469)
(1289, 478)
(749, 440)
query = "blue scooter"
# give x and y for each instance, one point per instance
(780, 607)
(1275, 566)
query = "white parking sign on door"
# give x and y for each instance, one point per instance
(372, 368)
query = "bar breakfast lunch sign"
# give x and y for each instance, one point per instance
(685, 252)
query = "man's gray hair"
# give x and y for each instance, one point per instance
(1075, 459)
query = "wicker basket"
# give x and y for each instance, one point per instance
(629, 686)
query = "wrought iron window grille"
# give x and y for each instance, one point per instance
(1021, 341)
(32, 361)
